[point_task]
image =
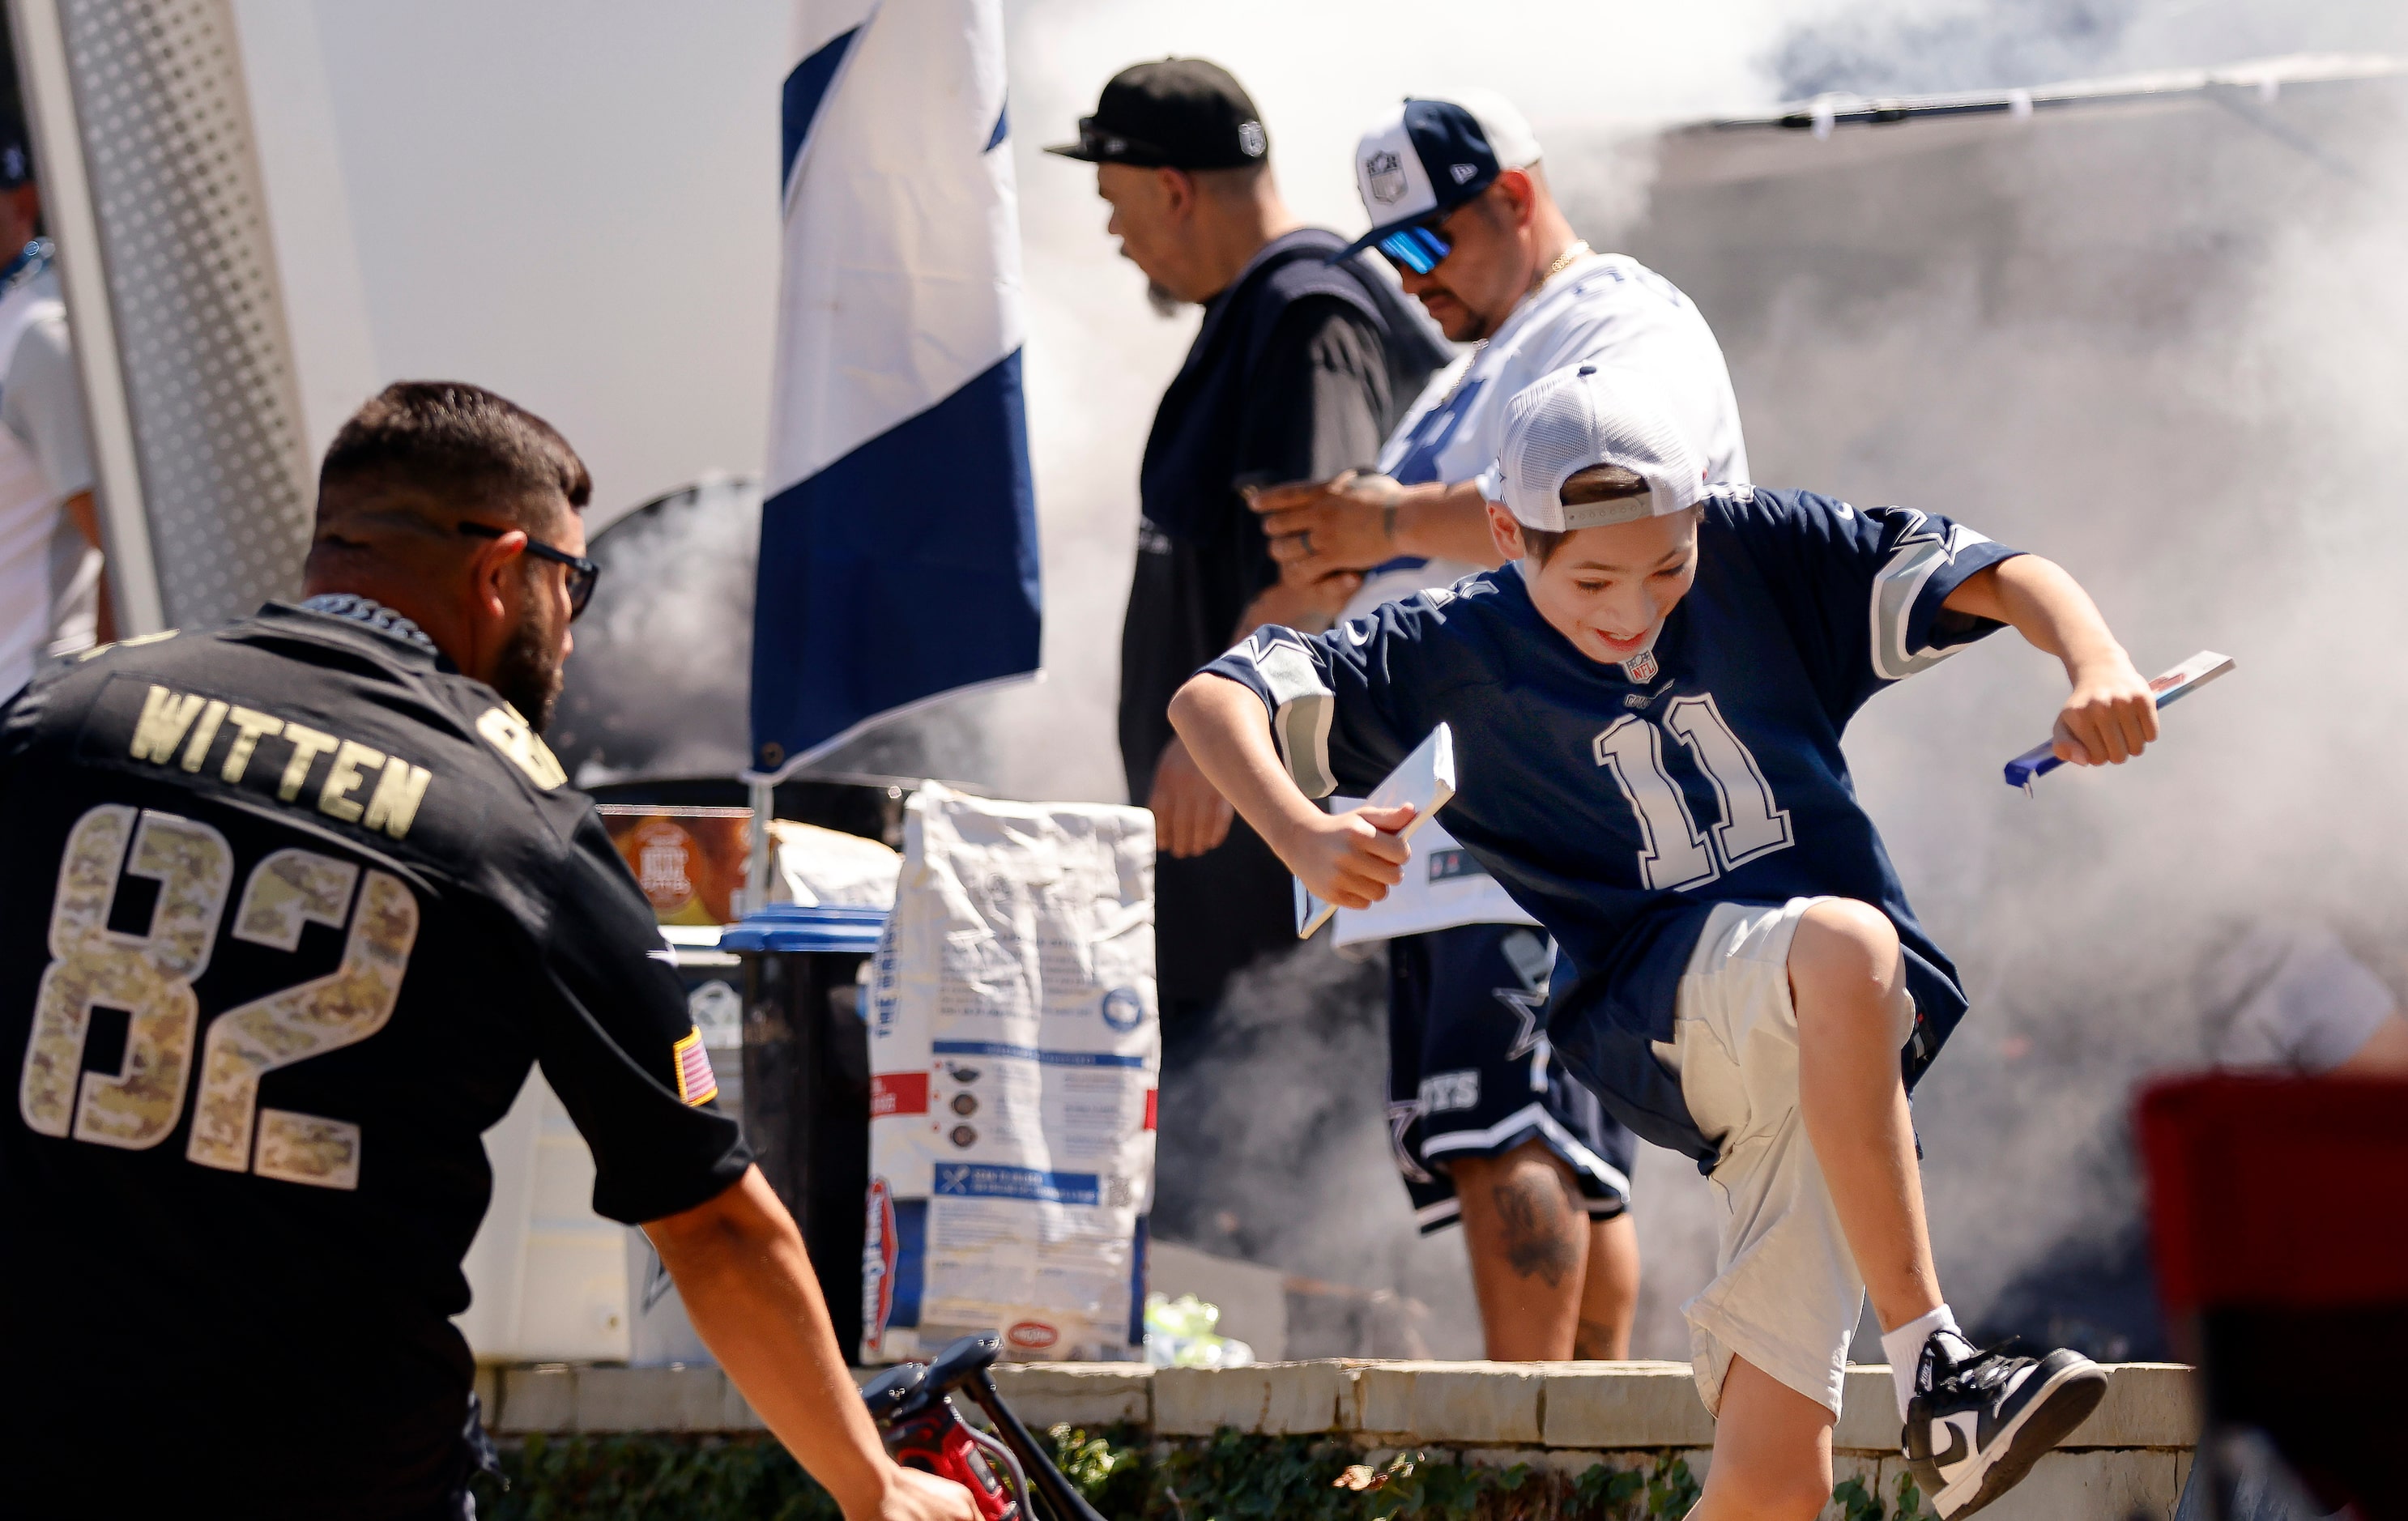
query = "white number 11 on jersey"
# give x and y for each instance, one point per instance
(1674, 853)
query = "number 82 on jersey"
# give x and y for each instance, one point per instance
(149, 977)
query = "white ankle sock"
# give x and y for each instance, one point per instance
(1904, 1347)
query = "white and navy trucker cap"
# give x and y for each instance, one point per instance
(1584, 415)
(1430, 156)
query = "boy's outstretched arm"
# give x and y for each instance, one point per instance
(2110, 715)
(1351, 859)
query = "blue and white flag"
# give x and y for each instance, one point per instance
(898, 540)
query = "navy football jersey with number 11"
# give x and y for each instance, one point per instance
(290, 909)
(1619, 813)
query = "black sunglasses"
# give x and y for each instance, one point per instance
(583, 572)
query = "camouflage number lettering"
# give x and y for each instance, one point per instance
(341, 1008)
(148, 976)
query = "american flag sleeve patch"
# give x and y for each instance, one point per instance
(696, 1084)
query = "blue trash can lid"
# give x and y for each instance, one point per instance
(797, 928)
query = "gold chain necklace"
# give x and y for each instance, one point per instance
(1576, 251)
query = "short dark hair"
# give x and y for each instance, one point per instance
(450, 443)
(1596, 483)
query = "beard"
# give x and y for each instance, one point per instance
(1157, 296)
(529, 674)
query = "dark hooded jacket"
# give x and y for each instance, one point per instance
(1299, 370)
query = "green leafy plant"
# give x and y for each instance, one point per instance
(1108, 1468)
(1910, 1502)
(1604, 1490)
(1857, 1502)
(1671, 1490)
(638, 1478)
(1228, 1476)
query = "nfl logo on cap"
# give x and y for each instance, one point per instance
(1383, 176)
(1433, 155)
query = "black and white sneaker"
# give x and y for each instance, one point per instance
(1980, 1419)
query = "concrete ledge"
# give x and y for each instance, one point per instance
(540, 1398)
(1611, 1405)
(1276, 1399)
(561, 1398)
(1483, 1402)
(1868, 1422)
(1490, 1406)
(1078, 1394)
(2147, 1405)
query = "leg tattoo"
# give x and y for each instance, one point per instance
(1538, 1240)
(1595, 1340)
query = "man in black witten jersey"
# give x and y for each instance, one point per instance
(289, 908)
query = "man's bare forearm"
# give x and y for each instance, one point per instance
(748, 1286)
(1445, 522)
(1229, 735)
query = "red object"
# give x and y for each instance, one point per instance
(2277, 1191)
(879, 1242)
(2280, 1211)
(934, 1442)
(1032, 1335)
(897, 1093)
(1150, 1097)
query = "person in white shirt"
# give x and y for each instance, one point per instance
(52, 601)
(2286, 995)
(1488, 1128)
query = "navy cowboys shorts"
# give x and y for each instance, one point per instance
(1470, 1072)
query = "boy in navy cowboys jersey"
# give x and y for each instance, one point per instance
(293, 906)
(1647, 709)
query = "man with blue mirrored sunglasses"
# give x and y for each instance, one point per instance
(1488, 1129)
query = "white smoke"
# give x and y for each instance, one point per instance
(2174, 365)
(1098, 359)
(2166, 349)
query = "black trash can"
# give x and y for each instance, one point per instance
(806, 1081)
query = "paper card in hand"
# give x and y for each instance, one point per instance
(1424, 779)
(2168, 689)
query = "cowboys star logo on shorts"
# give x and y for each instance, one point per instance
(1401, 1115)
(1385, 174)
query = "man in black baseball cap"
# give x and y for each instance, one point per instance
(1181, 113)
(1300, 368)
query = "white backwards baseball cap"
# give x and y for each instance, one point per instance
(1429, 156)
(1585, 415)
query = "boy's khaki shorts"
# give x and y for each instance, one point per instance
(1787, 1294)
